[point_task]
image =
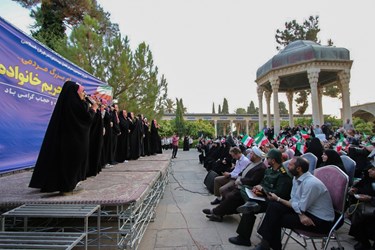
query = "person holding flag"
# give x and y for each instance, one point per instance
(247, 141)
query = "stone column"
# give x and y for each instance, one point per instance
(260, 100)
(313, 76)
(275, 83)
(215, 122)
(230, 126)
(267, 94)
(320, 103)
(344, 77)
(247, 127)
(289, 95)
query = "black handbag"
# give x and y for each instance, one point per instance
(367, 209)
(209, 180)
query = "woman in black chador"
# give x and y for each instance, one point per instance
(123, 153)
(135, 135)
(186, 143)
(64, 153)
(155, 140)
(95, 145)
(146, 138)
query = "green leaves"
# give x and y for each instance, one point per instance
(96, 45)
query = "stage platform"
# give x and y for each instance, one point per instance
(128, 192)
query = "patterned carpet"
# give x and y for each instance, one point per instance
(121, 184)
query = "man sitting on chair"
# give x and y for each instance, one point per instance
(310, 207)
(276, 180)
(225, 183)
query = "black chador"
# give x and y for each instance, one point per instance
(186, 143)
(114, 136)
(65, 146)
(155, 140)
(135, 139)
(95, 145)
(146, 138)
(122, 153)
(107, 138)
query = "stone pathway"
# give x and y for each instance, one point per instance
(180, 223)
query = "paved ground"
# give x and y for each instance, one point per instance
(180, 223)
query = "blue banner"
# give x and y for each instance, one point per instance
(31, 78)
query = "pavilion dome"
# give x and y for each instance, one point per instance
(303, 51)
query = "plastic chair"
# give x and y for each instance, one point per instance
(350, 166)
(336, 182)
(312, 161)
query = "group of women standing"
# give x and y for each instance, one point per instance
(83, 137)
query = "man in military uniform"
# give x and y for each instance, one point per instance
(276, 180)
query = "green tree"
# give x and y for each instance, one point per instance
(225, 109)
(364, 127)
(96, 45)
(144, 92)
(213, 108)
(85, 46)
(294, 31)
(301, 99)
(169, 106)
(251, 110)
(53, 16)
(179, 122)
(183, 108)
(196, 128)
(240, 111)
(308, 30)
(282, 108)
(219, 110)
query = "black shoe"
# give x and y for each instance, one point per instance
(215, 202)
(214, 217)
(207, 211)
(239, 241)
(249, 207)
(260, 247)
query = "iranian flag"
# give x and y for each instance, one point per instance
(260, 139)
(247, 140)
(296, 138)
(299, 146)
(342, 144)
(304, 134)
(283, 140)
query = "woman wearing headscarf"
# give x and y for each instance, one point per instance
(122, 150)
(146, 138)
(331, 157)
(155, 140)
(316, 148)
(95, 145)
(107, 134)
(135, 137)
(62, 159)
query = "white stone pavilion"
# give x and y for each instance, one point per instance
(299, 66)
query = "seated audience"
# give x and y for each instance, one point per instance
(225, 183)
(275, 180)
(251, 176)
(363, 217)
(331, 157)
(309, 208)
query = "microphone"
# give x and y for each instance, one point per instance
(89, 99)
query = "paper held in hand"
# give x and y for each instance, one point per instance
(253, 196)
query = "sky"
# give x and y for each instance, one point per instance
(209, 50)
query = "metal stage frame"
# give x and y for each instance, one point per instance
(122, 226)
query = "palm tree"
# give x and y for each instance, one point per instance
(169, 106)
